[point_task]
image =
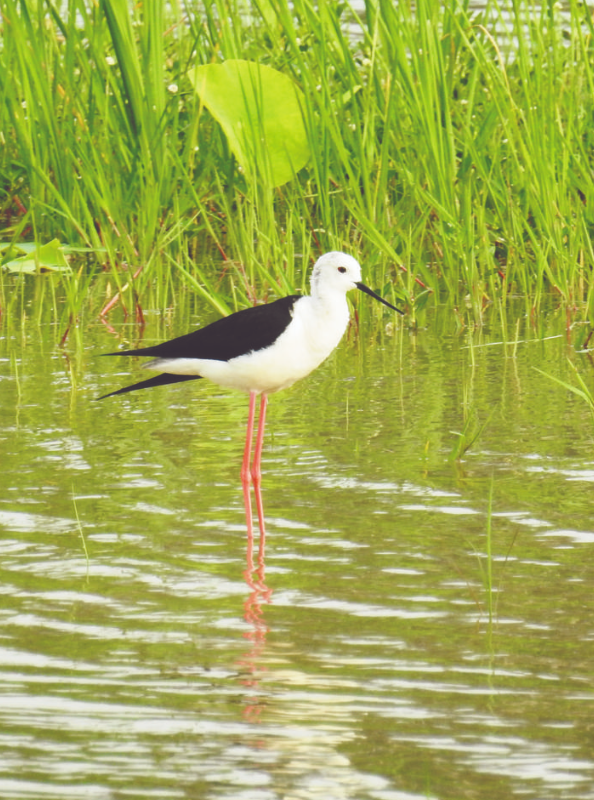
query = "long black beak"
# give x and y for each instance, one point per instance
(371, 293)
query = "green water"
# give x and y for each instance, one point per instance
(357, 660)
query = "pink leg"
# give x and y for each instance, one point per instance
(248, 513)
(256, 471)
(245, 468)
(247, 453)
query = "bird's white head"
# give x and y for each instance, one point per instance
(335, 273)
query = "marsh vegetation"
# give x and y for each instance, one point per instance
(451, 150)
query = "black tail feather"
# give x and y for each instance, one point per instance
(156, 380)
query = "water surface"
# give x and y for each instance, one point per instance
(363, 656)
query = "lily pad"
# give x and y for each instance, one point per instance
(259, 110)
(45, 257)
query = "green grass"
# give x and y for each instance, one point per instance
(470, 433)
(582, 390)
(459, 170)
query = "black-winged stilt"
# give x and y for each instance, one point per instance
(262, 349)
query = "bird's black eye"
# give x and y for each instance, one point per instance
(342, 269)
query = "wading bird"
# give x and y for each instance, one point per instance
(263, 349)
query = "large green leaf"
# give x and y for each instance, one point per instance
(43, 257)
(259, 110)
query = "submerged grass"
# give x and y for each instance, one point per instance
(455, 160)
(582, 390)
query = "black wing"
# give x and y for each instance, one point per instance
(156, 380)
(253, 328)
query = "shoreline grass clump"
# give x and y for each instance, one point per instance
(456, 161)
